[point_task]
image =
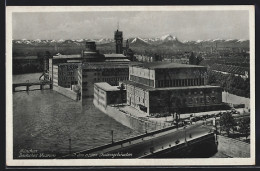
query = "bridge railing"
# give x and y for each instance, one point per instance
(179, 145)
(121, 142)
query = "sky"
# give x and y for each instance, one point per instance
(185, 25)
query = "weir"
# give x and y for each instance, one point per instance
(28, 85)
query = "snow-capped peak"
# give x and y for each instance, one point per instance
(198, 41)
(80, 40)
(229, 40)
(168, 37)
(37, 40)
(217, 40)
(241, 40)
(61, 40)
(138, 38)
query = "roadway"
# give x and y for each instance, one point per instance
(158, 142)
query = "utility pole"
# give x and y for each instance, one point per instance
(112, 134)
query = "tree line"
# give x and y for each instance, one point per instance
(230, 83)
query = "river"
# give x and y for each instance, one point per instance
(45, 120)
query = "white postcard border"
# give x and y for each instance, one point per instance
(123, 162)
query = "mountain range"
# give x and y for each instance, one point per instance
(134, 40)
(164, 44)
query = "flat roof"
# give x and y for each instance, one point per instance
(117, 60)
(102, 65)
(63, 64)
(67, 56)
(114, 55)
(165, 65)
(107, 87)
(166, 88)
(25, 57)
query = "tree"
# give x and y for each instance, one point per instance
(122, 88)
(227, 122)
(198, 60)
(244, 126)
(192, 59)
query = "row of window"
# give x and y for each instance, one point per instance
(142, 80)
(202, 100)
(68, 82)
(111, 79)
(67, 78)
(98, 96)
(97, 90)
(181, 82)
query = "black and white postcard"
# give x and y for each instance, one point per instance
(130, 85)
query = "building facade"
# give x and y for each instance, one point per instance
(91, 73)
(105, 94)
(169, 87)
(65, 75)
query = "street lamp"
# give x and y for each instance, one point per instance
(70, 145)
(185, 133)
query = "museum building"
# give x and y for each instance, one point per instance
(161, 87)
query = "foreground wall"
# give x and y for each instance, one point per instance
(233, 148)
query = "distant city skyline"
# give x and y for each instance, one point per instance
(185, 25)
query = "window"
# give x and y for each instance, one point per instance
(200, 92)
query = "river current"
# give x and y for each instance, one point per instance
(45, 120)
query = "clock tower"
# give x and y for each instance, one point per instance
(119, 41)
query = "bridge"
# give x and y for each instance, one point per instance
(165, 142)
(29, 84)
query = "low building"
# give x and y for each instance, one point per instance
(170, 87)
(105, 94)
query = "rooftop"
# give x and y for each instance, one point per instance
(107, 87)
(68, 64)
(67, 56)
(117, 60)
(25, 57)
(102, 65)
(167, 88)
(165, 65)
(114, 55)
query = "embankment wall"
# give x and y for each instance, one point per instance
(129, 120)
(68, 93)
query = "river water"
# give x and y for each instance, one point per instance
(46, 120)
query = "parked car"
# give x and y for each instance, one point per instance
(219, 114)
